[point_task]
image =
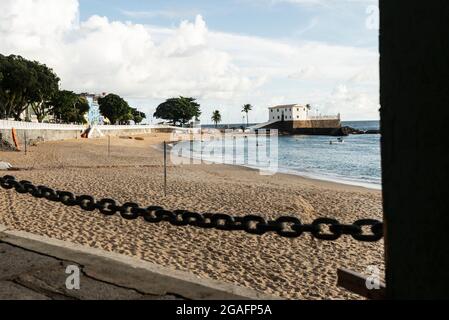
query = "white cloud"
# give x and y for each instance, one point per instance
(147, 64)
(351, 103)
(168, 14)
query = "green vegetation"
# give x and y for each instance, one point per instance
(246, 109)
(118, 111)
(115, 108)
(178, 110)
(216, 117)
(137, 116)
(29, 85)
(68, 107)
(25, 83)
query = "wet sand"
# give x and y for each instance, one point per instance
(302, 268)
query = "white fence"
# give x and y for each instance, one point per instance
(143, 127)
(335, 117)
(22, 125)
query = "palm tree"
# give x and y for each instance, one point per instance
(247, 108)
(216, 117)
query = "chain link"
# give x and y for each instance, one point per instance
(288, 227)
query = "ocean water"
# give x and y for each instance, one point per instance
(356, 161)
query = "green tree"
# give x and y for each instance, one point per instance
(216, 117)
(19, 85)
(2, 93)
(68, 107)
(178, 110)
(115, 109)
(247, 108)
(137, 116)
(46, 86)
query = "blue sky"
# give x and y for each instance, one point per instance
(225, 53)
(341, 22)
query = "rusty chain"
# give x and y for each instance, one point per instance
(288, 227)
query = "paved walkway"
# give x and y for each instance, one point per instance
(28, 275)
(34, 267)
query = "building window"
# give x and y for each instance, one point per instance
(297, 117)
(271, 110)
(279, 117)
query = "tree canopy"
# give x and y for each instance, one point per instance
(115, 108)
(45, 89)
(25, 83)
(178, 110)
(137, 116)
(68, 107)
(216, 117)
(247, 108)
(118, 111)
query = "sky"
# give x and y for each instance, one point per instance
(224, 53)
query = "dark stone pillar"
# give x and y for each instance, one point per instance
(414, 49)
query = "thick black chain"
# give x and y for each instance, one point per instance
(289, 227)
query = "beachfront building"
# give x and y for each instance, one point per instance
(94, 116)
(301, 119)
(288, 112)
(296, 112)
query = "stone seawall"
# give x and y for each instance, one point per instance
(317, 124)
(308, 127)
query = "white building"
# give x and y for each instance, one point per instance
(295, 112)
(289, 112)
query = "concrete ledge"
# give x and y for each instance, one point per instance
(128, 272)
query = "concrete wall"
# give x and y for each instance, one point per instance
(119, 132)
(41, 135)
(38, 135)
(39, 132)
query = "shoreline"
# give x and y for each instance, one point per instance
(300, 268)
(314, 177)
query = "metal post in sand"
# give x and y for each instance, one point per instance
(25, 139)
(165, 168)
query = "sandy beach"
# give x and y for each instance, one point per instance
(302, 268)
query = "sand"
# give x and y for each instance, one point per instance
(302, 268)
